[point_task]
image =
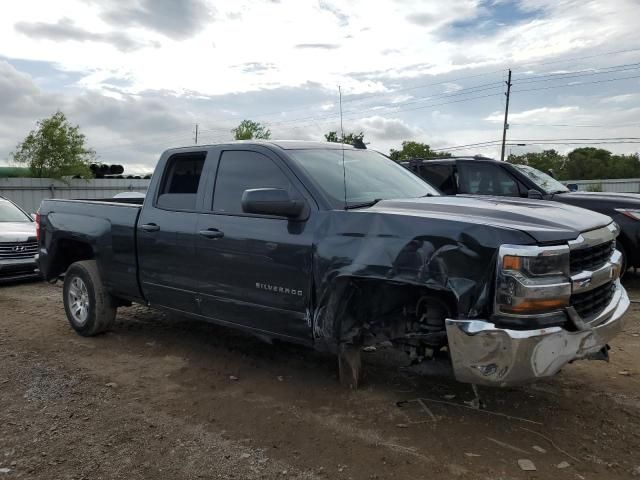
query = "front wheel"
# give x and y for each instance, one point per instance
(89, 307)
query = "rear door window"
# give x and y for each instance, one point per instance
(440, 176)
(183, 176)
(479, 178)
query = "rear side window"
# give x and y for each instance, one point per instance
(242, 170)
(179, 188)
(440, 176)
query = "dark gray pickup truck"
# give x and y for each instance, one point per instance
(340, 248)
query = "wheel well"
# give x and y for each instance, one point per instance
(378, 310)
(69, 251)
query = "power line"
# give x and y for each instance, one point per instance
(381, 94)
(619, 125)
(562, 76)
(392, 92)
(494, 143)
(577, 84)
(404, 89)
(602, 54)
(397, 106)
(468, 91)
(398, 110)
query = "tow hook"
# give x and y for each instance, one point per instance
(602, 354)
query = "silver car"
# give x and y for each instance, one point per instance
(18, 243)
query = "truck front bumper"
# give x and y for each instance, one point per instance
(483, 354)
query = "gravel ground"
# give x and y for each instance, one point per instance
(161, 398)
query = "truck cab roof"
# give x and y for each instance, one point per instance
(447, 160)
(282, 144)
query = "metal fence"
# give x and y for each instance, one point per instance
(624, 185)
(29, 192)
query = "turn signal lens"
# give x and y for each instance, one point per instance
(511, 262)
(539, 305)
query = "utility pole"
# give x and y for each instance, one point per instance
(506, 115)
(196, 133)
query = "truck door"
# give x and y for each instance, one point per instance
(254, 270)
(166, 233)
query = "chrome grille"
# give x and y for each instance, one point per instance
(18, 250)
(591, 258)
(591, 303)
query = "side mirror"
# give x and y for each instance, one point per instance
(271, 201)
(534, 194)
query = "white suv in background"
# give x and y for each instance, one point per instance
(18, 243)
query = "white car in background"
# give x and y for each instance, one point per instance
(18, 243)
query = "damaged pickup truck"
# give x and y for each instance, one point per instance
(340, 248)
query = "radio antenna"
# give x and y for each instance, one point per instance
(344, 171)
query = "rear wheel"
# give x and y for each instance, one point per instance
(89, 307)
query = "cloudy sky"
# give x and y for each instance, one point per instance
(138, 75)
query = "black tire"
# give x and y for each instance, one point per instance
(89, 307)
(624, 267)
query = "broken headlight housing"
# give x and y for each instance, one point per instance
(532, 281)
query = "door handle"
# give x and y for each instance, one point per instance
(211, 233)
(150, 227)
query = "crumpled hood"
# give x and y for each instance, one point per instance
(545, 221)
(17, 231)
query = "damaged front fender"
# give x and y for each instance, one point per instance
(368, 265)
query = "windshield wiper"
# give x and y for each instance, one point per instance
(370, 203)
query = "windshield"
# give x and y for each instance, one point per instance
(544, 181)
(370, 176)
(10, 213)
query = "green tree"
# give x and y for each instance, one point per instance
(545, 161)
(586, 163)
(55, 149)
(348, 138)
(625, 166)
(249, 130)
(415, 150)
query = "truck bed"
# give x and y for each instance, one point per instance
(108, 226)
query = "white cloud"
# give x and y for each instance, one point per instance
(543, 114)
(626, 98)
(138, 74)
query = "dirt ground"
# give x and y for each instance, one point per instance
(163, 398)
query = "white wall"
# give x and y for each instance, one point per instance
(29, 192)
(627, 185)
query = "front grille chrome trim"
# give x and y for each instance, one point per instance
(588, 280)
(595, 237)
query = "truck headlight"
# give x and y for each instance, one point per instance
(629, 212)
(532, 280)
